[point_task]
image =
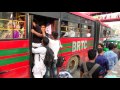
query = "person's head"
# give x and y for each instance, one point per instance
(115, 45)
(111, 46)
(55, 34)
(43, 27)
(100, 45)
(92, 54)
(100, 50)
(45, 41)
(88, 31)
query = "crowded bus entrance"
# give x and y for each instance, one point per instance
(41, 24)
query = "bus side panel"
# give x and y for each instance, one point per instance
(14, 59)
(75, 46)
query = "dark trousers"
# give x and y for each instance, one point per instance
(51, 71)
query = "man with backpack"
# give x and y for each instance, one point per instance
(54, 45)
(90, 69)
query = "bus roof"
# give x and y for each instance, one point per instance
(105, 24)
(83, 15)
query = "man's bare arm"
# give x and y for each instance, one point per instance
(36, 33)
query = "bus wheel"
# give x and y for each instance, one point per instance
(73, 64)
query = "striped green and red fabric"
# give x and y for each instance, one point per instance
(14, 58)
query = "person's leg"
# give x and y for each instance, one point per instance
(54, 69)
(47, 74)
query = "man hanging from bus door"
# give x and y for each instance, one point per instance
(36, 37)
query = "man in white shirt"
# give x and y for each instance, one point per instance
(88, 33)
(70, 33)
(55, 45)
(39, 68)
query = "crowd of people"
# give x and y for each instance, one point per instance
(42, 47)
(45, 50)
(100, 62)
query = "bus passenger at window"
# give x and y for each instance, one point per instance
(22, 29)
(16, 33)
(9, 32)
(88, 33)
(70, 33)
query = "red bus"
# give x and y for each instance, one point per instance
(78, 33)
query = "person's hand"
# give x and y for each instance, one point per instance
(32, 30)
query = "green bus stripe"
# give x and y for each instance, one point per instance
(90, 43)
(65, 50)
(68, 44)
(13, 51)
(13, 60)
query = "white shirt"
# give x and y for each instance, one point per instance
(70, 34)
(55, 46)
(88, 35)
(39, 68)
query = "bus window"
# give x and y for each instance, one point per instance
(104, 33)
(69, 29)
(86, 31)
(12, 25)
(19, 23)
(6, 25)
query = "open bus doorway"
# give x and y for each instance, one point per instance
(51, 25)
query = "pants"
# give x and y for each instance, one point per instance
(51, 71)
(35, 45)
(39, 68)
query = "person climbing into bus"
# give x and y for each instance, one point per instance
(37, 32)
(111, 56)
(90, 69)
(54, 44)
(39, 68)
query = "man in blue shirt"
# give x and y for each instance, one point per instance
(102, 60)
(111, 56)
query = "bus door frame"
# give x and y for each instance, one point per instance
(29, 23)
(96, 34)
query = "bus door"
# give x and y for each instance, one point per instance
(51, 25)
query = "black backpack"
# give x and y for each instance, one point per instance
(49, 57)
(60, 61)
